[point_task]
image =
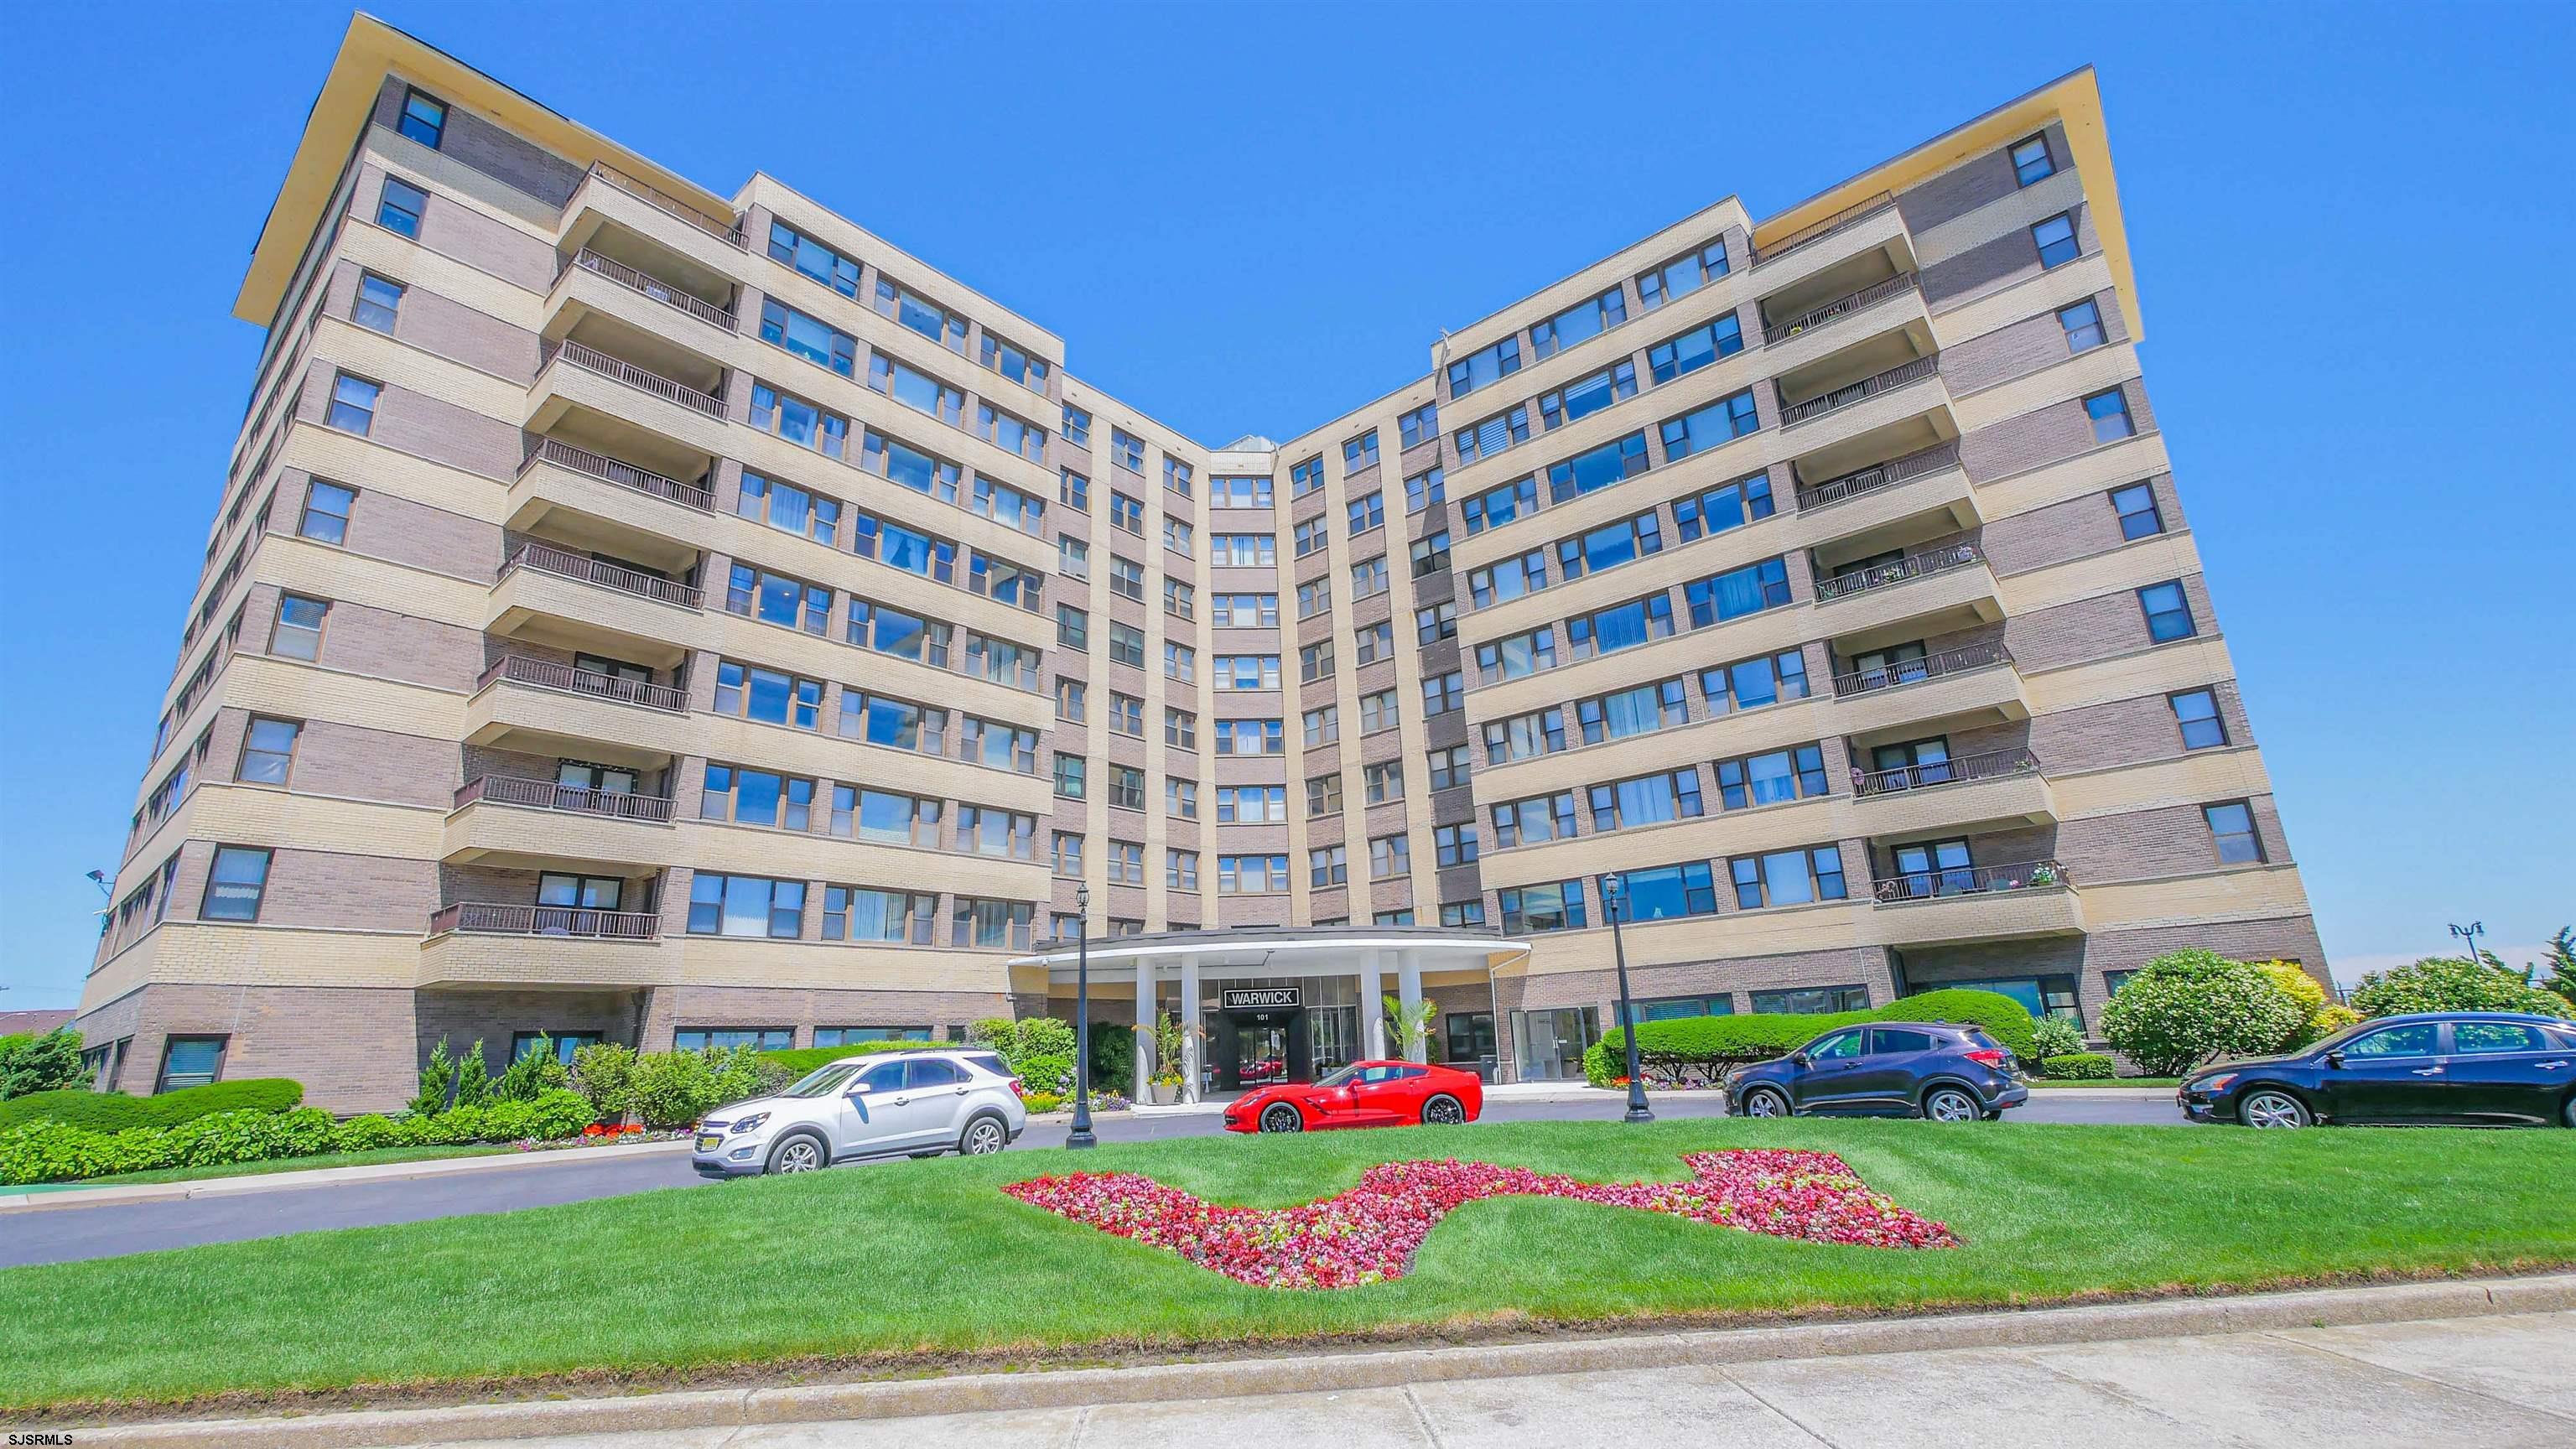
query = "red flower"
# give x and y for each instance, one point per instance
(1370, 1233)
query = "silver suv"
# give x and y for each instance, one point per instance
(923, 1103)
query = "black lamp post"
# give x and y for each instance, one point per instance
(2468, 936)
(1612, 896)
(1081, 1136)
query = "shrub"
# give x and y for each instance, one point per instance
(2185, 1007)
(50, 1151)
(473, 1079)
(1113, 1054)
(672, 1089)
(113, 1111)
(1709, 1043)
(2078, 1066)
(2304, 989)
(48, 1063)
(1021, 1041)
(540, 1070)
(437, 1080)
(1046, 1074)
(2446, 983)
(1043, 1101)
(2054, 1036)
(603, 1073)
(367, 1134)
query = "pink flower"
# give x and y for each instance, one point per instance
(1370, 1233)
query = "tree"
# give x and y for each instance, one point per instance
(1410, 1029)
(473, 1079)
(436, 1080)
(2186, 1007)
(540, 1071)
(45, 1063)
(2318, 1013)
(2560, 957)
(2453, 983)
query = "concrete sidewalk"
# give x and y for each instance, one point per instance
(287, 1179)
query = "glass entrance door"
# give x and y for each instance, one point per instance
(1261, 1054)
(1550, 1044)
(1332, 1037)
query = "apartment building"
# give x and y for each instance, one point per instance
(641, 614)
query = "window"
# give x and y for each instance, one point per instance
(1418, 426)
(925, 317)
(1180, 662)
(2083, 324)
(1385, 781)
(1250, 737)
(811, 338)
(888, 818)
(1430, 554)
(1506, 429)
(1180, 729)
(833, 1036)
(1328, 866)
(1664, 892)
(790, 509)
(1324, 795)
(353, 404)
(2055, 238)
(1126, 578)
(2136, 507)
(1127, 645)
(991, 923)
(1126, 787)
(1722, 421)
(1720, 509)
(1312, 536)
(1449, 767)
(1073, 491)
(1425, 488)
(1373, 642)
(1179, 599)
(1069, 776)
(1738, 592)
(1250, 875)
(1176, 535)
(1126, 714)
(1454, 845)
(1579, 323)
(807, 426)
(1623, 626)
(756, 593)
(236, 884)
(1610, 545)
(1127, 513)
(1239, 491)
(1538, 819)
(897, 724)
(1389, 856)
(1769, 779)
(379, 303)
(423, 120)
(1245, 550)
(326, 512)
(1675, 1008)
(1811, 1000)
(1127, 450)
(298, 632)
(1181, 869)
(1557, 906)
(1648, 800)
(1523, 737)
(1497, 506)
(1315, 662)
(2196, 714)
(1009, 507)
(1787, 878)
(2031, 161)
(1314, 598)
(1597, 468)
(1011, 362)
(1690, 351)
(833, 270)
(750, 692)
(1442, 693)
(1323, 726)
(2481, 1037)
(1244, 611)
(563, 1044)
(399, 206)
(1587, 395)
(267, 752)
(1181, 799)
(1750, 683)
(1516, 656)
(916, 390)
(1367, 513)
(1126, 863)
(1682, 275)
(190, 1061)
(1306, 477)
(1377, 711)
(898, 547)
(1360, 452)
(1464, 913)
(2168, 612)
(2232, 826)
(1485, 366)
(1246, 672)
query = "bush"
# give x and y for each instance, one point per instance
(1046, 1073)
(51, 1151)
(2186, 1007)
(48, 1063)
(672, 1089)
(2445, 983)
(113, 1111)
(1043, 1101)
(1113, 1055)
(2054, 1036)
(1711, 1043)
(603, 1073)
(473, 1079)
(797, 1061)
(538, 1072)
(437, 1081)
(2079, 1067)
(2311, 997)
(1021, 1041)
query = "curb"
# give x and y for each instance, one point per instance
(974, 1393)
(294, 1179)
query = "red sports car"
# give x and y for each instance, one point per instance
(1363, 1094)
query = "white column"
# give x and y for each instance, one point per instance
(1372, 1009)
(1192, 1048)
(1144, 1026)
(1408, 985)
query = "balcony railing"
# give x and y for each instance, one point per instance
(1914, 671)
(653, 287)
(592, 360)
(1849, 393)
(586, 570)
(1967, 880)
(480, 918)
(663, 201)
(546, 674)
(1879, 475)
(570, 799)
(1817, 231)
(1913, 566)
(1815, 317)
(624, 475)
(1992, 765)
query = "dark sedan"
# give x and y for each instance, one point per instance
(2490, 1068)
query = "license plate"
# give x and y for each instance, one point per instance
(709, 1142)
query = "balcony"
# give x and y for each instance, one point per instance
(1974, 903)
(1995, 789)
(591, 360)
(1792, 414)
(623, 474)
(480, 918)
(1843, 306)
(568, 799)
(539, 558)
(1947, 664)
(538, 707)
(1822, 228)
(669, 205)
(1993, 765)
(1974, 684)
(1962, 554)
(1921, 463)
(487, 944)
(564, 678)
(648, 285)
(534, 824)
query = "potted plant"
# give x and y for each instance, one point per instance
(1165, 1087)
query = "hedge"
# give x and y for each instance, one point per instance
(114, 1111)
(1710, 1042)
(2079, 1067)
(61, 1152)
(797, 1061)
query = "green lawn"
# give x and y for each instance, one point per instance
(922, 1262)
(272, 1165)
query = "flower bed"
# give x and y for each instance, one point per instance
(1370, 1233)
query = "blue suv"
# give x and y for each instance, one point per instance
(1907, 1069)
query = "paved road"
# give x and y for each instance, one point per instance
(56, 1235)
(2506, 1382)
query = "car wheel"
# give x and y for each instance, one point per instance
(798, 1152)
(1951, 1104)
(1443, 1111)
(1763, 1102)
(2273, 1108)
(983, 1137)
(1282, 1118)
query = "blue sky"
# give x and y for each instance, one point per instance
(2350, 227)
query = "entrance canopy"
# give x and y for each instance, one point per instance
(1284, 951)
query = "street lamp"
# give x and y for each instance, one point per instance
(2468, 936)
(1081, 1136)
(1612, 897)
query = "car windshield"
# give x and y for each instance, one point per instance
(1342, 1077)
(2337, 1040)
(822, 1080)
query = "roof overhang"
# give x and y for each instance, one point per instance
(1289, 951)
